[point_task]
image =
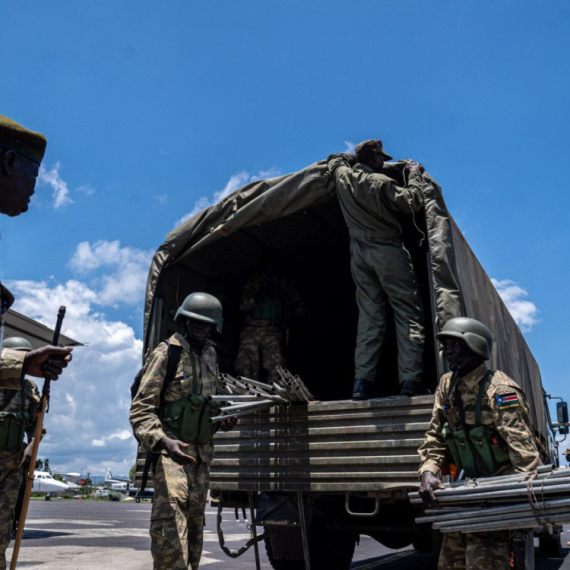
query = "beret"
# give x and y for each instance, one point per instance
(28, 143)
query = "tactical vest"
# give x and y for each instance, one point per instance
(188, 418)
(486, 453)
(13, 426)
(268, 310)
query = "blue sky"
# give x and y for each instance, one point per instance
(152, 108)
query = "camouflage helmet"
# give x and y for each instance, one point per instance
(17, 343)
(475, 334)
(202, 307)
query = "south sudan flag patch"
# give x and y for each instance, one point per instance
(507, 400)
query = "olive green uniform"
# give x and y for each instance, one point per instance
(503, 408)
(381, 266)
(180, 491)
(11, 402)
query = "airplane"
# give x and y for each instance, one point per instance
(116, 484)
(45, 483)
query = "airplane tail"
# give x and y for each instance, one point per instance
(109, 474)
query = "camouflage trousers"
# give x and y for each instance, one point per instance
(260, 346)
(177, 518)
(475, 551)
(10, 478)
(385, 284)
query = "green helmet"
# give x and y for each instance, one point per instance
(475, 334)
(17, 343)
(203, 307)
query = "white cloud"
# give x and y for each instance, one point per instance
(162, 198)
(60, 190)
(127, 270)
(350, 146)
(86, 189)
(88, 420)
(524, 312)
(236, 181)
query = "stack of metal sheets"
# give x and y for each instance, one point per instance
(519, 501)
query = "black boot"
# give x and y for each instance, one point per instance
(413, 388)
(365, 390)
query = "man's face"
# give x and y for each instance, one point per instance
(18, 183)
(377, 162)
(197, 330)
(458, 354)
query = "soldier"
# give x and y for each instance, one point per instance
(21, 152)
(270, 301)
(492, 408)
(11, 401)
(163, 418)
(381, 266)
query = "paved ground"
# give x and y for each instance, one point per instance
(67, 535)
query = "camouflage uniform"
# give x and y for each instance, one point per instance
(177, 518)
(381, 266)
(10, 475)
(480, 551)
(269, 299)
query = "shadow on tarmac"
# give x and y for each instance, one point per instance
(38, 534)
(406, 560)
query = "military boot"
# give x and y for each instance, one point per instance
(365, 390)
(413, 388)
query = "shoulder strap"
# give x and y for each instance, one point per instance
(173, 355)
(486, 379)
(194, 373)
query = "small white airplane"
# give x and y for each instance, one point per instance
(116, 484)
(45, 483)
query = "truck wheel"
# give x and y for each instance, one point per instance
(550, 546)
(330, 549)
(283, 538)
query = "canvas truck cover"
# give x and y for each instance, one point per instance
(460, 285)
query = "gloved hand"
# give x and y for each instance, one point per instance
(428, 484)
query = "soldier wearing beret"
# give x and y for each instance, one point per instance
(381, 266)
(492, 408)
(21, 152)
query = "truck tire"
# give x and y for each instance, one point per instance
(550, 546)
(330, 549)
(284, 536)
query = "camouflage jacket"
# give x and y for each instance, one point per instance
(368, 199)
(145, 408)
(10, 401)
(266, 286)
(504, 408)
(11, 368)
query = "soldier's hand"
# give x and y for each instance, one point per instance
(27, 456)
(47, 362)
(229, 424)
(412, 166)
(429, 483)
(174, 448)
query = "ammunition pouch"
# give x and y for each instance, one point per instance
(12, 430)
(268, 310)
(188, 418)
(492, 450)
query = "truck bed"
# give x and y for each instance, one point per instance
(333, 447)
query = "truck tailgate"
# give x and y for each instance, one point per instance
(338, 446)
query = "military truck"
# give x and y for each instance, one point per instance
(326, 472)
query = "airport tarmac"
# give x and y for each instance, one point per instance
(100, 535)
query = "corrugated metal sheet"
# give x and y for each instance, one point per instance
(335, 447)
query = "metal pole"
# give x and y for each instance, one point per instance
(304, 530)
(254, 530)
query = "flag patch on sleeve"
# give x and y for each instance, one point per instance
(507, 400)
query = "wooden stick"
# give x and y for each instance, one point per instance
(38, 436)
